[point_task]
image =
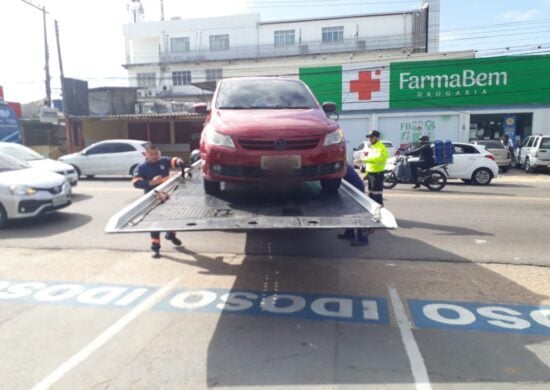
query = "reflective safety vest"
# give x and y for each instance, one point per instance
(375, 161)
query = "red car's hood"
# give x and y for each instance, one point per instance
(272, 123)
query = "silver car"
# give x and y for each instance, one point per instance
(36, 160)
(27, 192)
(502, 154)
(534, 152)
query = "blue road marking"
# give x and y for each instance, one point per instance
(487, 317)
(319, 307)
(73, 294)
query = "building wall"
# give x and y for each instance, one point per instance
(251, 38)
(99, 130)
(398, 27)
(286, 67)
(399, 126)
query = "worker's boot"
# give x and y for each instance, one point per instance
(362, 239)
(172, 238)
(155, 247)
(348, 234)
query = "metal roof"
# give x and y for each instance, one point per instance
(166, 115)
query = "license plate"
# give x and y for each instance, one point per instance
(281, 162)
(59, 201)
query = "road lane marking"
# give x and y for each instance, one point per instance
(418, 368)
(100, 340)
(443, 196)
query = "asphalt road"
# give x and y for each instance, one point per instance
(506, 222)
(457, 298)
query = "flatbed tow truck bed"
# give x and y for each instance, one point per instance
(249, 207)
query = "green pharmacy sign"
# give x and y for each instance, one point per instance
(432, 84)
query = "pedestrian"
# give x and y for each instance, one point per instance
(359, 237)
(509, 145)
(150, 174)
(375, 164)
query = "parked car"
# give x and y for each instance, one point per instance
(27, 192)
(502, 154)
(111, 157)
(471, 163)
(533, 153)
(261, 127)
(359, 153)
(36, 160)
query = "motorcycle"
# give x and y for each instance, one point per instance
(434, 178)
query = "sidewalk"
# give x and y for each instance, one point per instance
(519, 175)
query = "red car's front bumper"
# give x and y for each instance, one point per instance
(239, 165)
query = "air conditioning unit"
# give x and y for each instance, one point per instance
(361, 45)
(304, 49)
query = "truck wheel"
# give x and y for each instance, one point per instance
(331, 185)
(3, 217)
(212, 187)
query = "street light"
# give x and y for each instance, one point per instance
(46, 52)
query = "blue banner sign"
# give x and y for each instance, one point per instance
(9, 125)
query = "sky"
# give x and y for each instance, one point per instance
(92, 43)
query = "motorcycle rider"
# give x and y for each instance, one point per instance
(426, 161)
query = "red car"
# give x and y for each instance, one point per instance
(265, 128)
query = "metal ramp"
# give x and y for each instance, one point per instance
(249, 207)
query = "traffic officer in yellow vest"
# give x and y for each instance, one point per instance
(375, 164)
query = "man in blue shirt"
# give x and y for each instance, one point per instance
(362, 238)
(152, 173)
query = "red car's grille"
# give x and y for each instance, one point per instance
(279, 144)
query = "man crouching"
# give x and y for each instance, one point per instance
(152, 173)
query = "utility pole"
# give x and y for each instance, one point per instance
(47, 62)
(161, 9)
(48, 101)
(68, 128)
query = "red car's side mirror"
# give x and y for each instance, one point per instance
(201, 108)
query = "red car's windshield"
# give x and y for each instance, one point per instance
(264, 94)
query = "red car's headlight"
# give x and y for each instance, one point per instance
(219, 139)
(334, 138)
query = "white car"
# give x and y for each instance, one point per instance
(534, 152)
(112, 157)
(471, 163)
(36, 160)
(359, 152)
(27, 192)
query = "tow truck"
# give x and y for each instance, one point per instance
(180, 204)
(253, 121)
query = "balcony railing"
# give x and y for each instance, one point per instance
(359, 44)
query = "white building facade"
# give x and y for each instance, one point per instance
(169, 59)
